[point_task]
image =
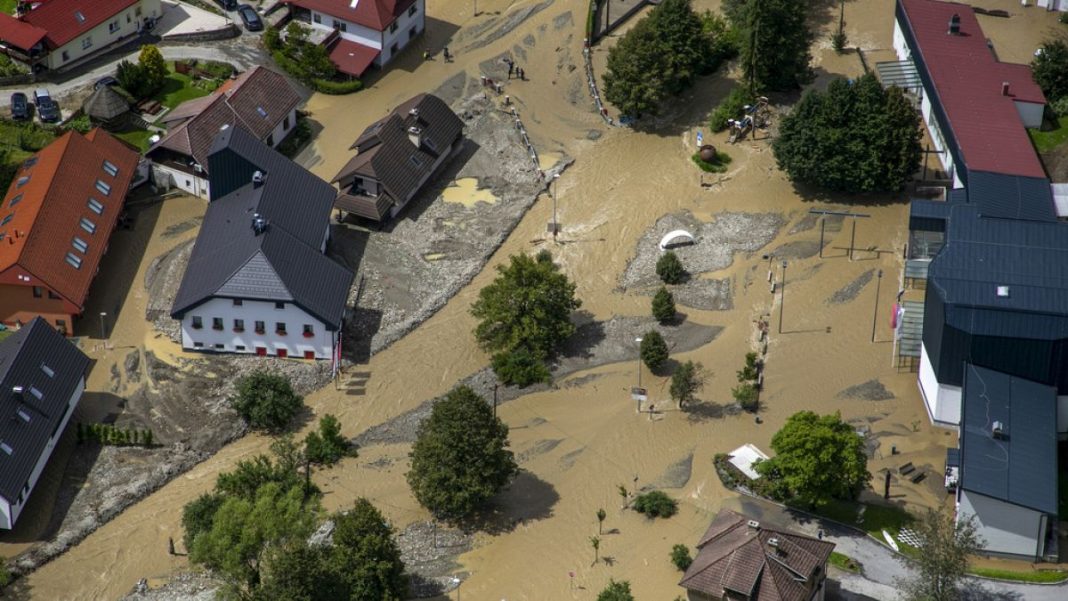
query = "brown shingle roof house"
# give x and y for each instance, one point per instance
(260, 101)
(396, 157)
(740, 560)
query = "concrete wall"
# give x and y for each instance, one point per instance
(1030, 113)
(1008, 529)
(103, 36)
(16, 508)
(941, 401)
(293, 342)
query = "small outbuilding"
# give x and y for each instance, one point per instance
(107, 107)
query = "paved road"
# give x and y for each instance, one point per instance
(882, 568)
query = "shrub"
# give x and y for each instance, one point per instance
(272, 40)
(718, 166)
(680, 557)
(730, 107)
(1050, 69)
(326, 446)
(337, 88)
(616, 591)
(10, 68)
(654, 351)
(655, 504)
(751, 369)
(153, 67)
(726, 42)
(664, 305)
(5, 575)
(1060, 105)
(669, 268)
(747, 395)
(519, 367)
(81, 124)
(266, 401)
(132, 78)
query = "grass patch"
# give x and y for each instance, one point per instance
(1040, 576)
(178, 88)
(876, 519)
(844, 562)
(136, 137)
(18, 141)
(1046, 141)
(5, 334)
(719, 166)
(8, 6)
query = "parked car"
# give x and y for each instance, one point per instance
(249, 17)
(20, 106)
(107, 80)
(47, 109)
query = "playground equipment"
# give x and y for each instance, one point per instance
(676, 238)
(757, 115)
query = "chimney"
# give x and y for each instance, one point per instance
(257, 179)
(17, 391)
(259, 224)
(755, 525)
(1004, 88)
(997, 430)
(415, 135)
(954, 24)
(773, 542)
(414, 112)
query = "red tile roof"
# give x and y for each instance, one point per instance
(968, 81)
(56, 185)
(352, 58)
(60, 17)
(19, 33)
(376, 14)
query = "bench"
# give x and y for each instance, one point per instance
(918, 477)
(906, 469)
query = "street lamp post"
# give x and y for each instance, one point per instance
(782, 294)
(103, 329)
(556, 226)
(875, 315)
(457, 582)
(637, 397)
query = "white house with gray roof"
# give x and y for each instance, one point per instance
(258, 280)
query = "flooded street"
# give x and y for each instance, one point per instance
(578, 441)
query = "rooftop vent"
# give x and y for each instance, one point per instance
(773, 542)
(954, 24)
(997, 429)
(754, 524)
(17, 391)
(1004, 88)
(257, 178)
(259, 224)
(224, 127)
(1003, 291)
(414, 112)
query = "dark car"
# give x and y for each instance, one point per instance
(107, 80)
(20, 106)
(227, 4)
(47, 109)
(249, 17)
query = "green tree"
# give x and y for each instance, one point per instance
(775, 39)
(460, 458)
(817, 458)
(855, 137)
(948, 542)
(751, 369)
(519, 367)
(686, 382)
(595, 542)
(266, 401)
(616, 591)
(669, 268)
(327, 446)
(526, 308)
(153, 67)
(653, 350)
(198, 516)
(747, 395)
(664, 305)
(132, 78)
(250, 475)
(682, 36)
(366, 557)
(272, 39)
(680, 557)
(1050, 69)
(725, 41)
(301, 572)
(601, 515)
(243, 530)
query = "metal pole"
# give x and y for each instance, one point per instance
(555, 226)
(875, 316)
(852, 238)
(103, 329)
(782, 294)
(823, 224)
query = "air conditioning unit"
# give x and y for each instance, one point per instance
(754, 524)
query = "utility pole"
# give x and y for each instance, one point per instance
(875, 316)
(853, 237)
(639, 341)
(782, 294)
(823, 225)
(556, 226)
(103, 328)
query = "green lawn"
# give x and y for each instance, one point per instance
(876, 519)
(1048, 140)
(844, 562)
(178, 88)
(7, 6)
(5, 334)
(1043, 576)
(136, 137)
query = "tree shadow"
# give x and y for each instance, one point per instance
(703, 411)
(589, 332)
(974, 590)
(835, 592)
(526, 498)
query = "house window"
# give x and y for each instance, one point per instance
(197, 322)
(238, 302)
(279, 305)
(393, 50)
(309, 354)
(309, 331)
(137, 11)
(127, 17)
(88, 225)
(113, 26)
(285, 123)
(198, 345)
(317, 18)
(104, 188)
(9, 217)
(36, 393)
(270, 140)
(216, 323)
(16, 200)
(79, 16)
(23, 181)
(79, 244)
(430, 144)
(74, 260)
(110, 168)
(411, 11)
(239, 325)
(393, 27)
(220, 347)
(412, 32)
(87, 42)
(53, 295)
(61, 325)
(415, 161)
(283, 353)
(96, 206)
(6, 448)
(239, 347)
(37, 292)
(66, 56)
(261, 351)
(280, 328)
(260, 327)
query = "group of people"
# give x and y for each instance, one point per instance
(444, 53)
(515, 70)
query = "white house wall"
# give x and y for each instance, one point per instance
(197, 186)
(1008, 529)
(942, 401)
(101, 37)
(280, 131)
(9, 513)
(401, 36)
(1030, 113)
(251, 311)
(354, 32)
(1061, 5)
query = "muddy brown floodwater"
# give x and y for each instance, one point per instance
(581, 439)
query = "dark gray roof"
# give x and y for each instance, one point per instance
(980, 254)
(1011, 196)
(105, 104)
(283, 263)
(1020, 467)
(21, 356)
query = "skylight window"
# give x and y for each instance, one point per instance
(263, 113)
(87, 225)
(30, 162)
(79, 244)
(25, 416)
(48, 370)
(6, 448)
(78, 15)
(23, 180)
(104, 188)
(74, 260)
(35, 392)
(9, 217)
(96, 206)
(16, 200)
(110, 168)
(415, 161)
